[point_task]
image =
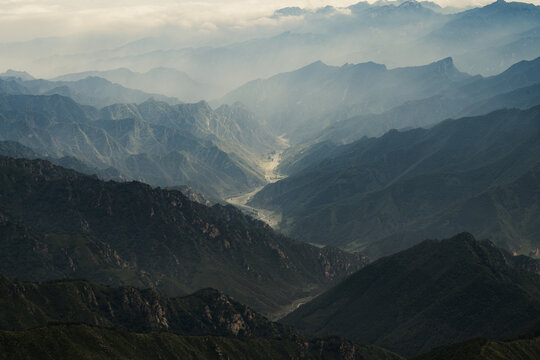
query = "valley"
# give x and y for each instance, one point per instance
(290, 180)
(269, 164)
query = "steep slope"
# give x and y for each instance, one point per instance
(435, 293)
(515, 87)
(479, 25)
(521, 348)
(166, 81)
(206, 312)
(93, 91)
(488, 39)
(14, 149)
(496, 57)
(233, 128)
(215, 152)
(60, 224)
(484, 349)
(80, 314)
(319, 94)
(381, 195)
(85, 342)
(14, 74)
(41, 111)
(11, 87)
(522, 98)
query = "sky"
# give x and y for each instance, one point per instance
(28, 19)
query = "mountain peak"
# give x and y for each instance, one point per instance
(289, 11)
(23, 75)
(370, 65)
(444, 66)
(532, 66)
(463, 237)
(317, 67)
(418, 286)
(411, 4)
(316, 64)
(448, 60)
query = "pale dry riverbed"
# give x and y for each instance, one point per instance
(269, 166)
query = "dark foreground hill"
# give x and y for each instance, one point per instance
(435, 293)
(57, 223)
(85, 342)
(28, 305)
(79, 319)
(526, 348)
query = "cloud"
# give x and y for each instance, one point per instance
(27, 19)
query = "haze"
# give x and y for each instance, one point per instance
(366, 175)
(28, 19)
(221, 45)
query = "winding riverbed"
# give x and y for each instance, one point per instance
(269, 166)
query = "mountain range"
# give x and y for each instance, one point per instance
(57, 223)
(206, 312)
(214, 151)
(517, 87)
(498, 35)
(91, 90)
(186, 181)
(160, 80)
(309, 99)
(381, 195)
(523, 347)
(85, 342)
(432, 294)
(92, 321)
(492, 37)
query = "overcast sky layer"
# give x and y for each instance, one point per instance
(28, 19)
